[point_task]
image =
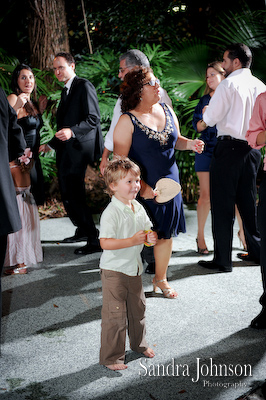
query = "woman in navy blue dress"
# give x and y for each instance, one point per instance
(214, 75)
(148, 133)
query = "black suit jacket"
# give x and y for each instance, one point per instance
(80, 112)
(12, 145)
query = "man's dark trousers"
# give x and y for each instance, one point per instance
(233, 173)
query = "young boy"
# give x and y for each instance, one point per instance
(122, 235)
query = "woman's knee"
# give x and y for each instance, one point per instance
(204, 197)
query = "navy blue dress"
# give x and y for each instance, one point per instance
(155, 154)
(209, 137)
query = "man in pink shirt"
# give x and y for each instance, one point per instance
(256, 137)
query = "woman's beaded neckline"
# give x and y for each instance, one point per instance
(162, 136)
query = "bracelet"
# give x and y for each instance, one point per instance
(203, 124)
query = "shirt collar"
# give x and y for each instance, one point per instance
(123, 207)
(240, 71)
(69, 83)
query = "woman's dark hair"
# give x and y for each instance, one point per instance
(132, 87)
(31, 110)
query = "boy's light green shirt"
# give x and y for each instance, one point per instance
(120, 222)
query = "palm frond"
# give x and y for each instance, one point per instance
(106, 104)
(187, 69)
(46, 82)
(158, 58)
(246, 27)
(186, 90)
(48, 165)
(189, 62)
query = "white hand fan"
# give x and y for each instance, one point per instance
(166, 189)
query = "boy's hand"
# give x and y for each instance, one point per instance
(138, 238)
(152, 237)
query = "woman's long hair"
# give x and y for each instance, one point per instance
(217, 65)
(30, 107)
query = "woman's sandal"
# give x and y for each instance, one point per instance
(19, 270)
(169, 293)
(203, 252)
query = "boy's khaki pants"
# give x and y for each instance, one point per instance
(123, 308)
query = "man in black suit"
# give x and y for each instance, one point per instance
(12, 146)
(78, 142)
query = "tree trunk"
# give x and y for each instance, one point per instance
(48, 33)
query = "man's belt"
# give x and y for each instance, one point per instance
(227, 137)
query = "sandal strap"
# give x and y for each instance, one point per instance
(168, 292)
(162, 280)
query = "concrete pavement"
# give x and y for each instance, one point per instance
(204, 348)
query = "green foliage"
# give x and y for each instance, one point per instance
(195, 38)
(121, 24)
(187, 68)
(107, 103)
(45, 82)
(159, 59)
(246, 27)
(186, 159)
(48, 166)
(100, 68)
(47, 133)
(7, 65)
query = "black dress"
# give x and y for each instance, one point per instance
(31, 126)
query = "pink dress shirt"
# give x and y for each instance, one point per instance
(257, 123)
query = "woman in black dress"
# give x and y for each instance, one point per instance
(24, 247)
(29, 118)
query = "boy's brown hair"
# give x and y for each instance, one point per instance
(117, 169)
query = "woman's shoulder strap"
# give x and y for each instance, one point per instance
(131, 116)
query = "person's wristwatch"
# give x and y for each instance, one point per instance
(203, 124)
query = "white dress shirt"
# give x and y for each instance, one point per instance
(67, 86)
(69, 83)
(231, 106)
(109, 141)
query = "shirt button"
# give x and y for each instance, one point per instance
(117, 308)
